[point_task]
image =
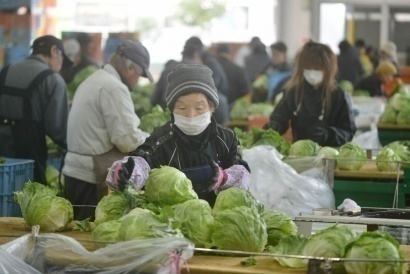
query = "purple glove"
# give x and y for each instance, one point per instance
(219, 177)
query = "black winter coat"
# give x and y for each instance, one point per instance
(168, 145)
(338, 124)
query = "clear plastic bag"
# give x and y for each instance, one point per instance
(279, 187)
(55, 253)
(368, 139)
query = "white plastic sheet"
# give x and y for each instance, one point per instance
(278, 186)
(55, 253)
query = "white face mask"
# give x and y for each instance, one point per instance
(313, 77)
(193, 126)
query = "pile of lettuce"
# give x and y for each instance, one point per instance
(257, 137)
(341, 242)
(351, 157)
(170, 208)
(394, 155)
(242, 110)
(141, 98)
(41, 206)
(156, 118)
(398, 109)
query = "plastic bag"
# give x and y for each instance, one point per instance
(368, 139)
(55, 253)
(279, 187)
(301, 164)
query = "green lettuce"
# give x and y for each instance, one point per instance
(146, 225)
(329, 242)
(168, 186)
(290, 245)
(41, 206)
(374, 245)
(110, 207)
(278, 225)
(108, 232)
(328, 152)
(241, 228)
(196, 221)
(234, 197)
(389, 116)
(387, 160)
(304, 148)
(348, 153)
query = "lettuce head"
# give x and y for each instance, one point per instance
(278, 225)
(41, 206)
(110, 207)
(304, 148)
(240, 228)
(196, 221)
(376, 245)
(234, 197)
(168, 186)
(387, 160)
(351, 157)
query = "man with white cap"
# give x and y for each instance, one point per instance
(103, 126)
(192, 141)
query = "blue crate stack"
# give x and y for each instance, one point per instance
(13, 175)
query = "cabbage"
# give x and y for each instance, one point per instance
(403, 117)
(328, 152)
(156, 118)
(145, 225)
(401, 148)
(234, 197)
(374, 245)
(261, 82)
(400, 101)
(241, 228)
(278, 225)
(387, 160)
(304, 148)
(168, 186)
(388, 116)
(329, 242)
(41, 206)
(351, 151)
(196, 220)
(106, 232)
(290, 245)
(110, 207)
(347, 86)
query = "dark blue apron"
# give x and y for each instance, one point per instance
(200, 178)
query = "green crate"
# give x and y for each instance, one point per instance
(387, 136)
(370, 194)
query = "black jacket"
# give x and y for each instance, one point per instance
(338, 126)
(372, 84)
(167, 145)
(238, 83)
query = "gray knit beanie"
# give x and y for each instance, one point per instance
(187, 78)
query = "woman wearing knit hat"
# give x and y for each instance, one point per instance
(192, 141)
(388, 52)
(382, 82)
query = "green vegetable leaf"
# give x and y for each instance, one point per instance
(250, 261)
(83, 225)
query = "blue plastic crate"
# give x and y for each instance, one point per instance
(13, 175)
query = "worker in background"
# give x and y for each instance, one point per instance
(349, 65)
(245, 50)
(238, 84)
(382, 82)
(313, 105)
(365, 62)
(33, 104)
(194, 52)
(102, 125)
(278, 72)
(256, 62)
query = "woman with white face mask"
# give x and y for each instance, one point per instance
(192, 141)
(313, 105)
